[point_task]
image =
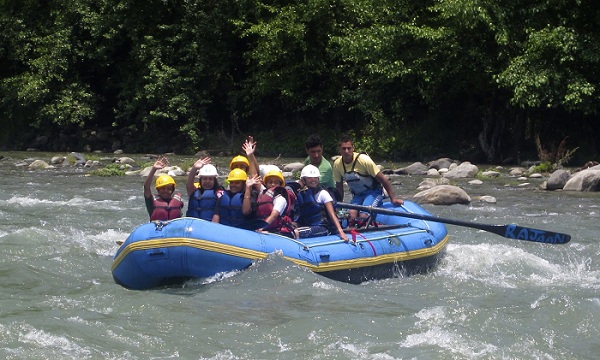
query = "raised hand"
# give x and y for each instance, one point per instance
(201, 162)
(160, 162)
(249, 146)
(253, 180)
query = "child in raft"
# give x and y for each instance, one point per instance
(166, 204)
(273, 205)
(203, 197)
(234, 206)
(316, 215)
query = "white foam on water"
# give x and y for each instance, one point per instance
(282, 346)
(215, 278)
(325, 286)
(28, 201)
(221, 355)
(49, 344)
(77, 201)
(510, 267)
(352, 349)
(433, 323)
(103, 243)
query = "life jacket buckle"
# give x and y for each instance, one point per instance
(159, 225)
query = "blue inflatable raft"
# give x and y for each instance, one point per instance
(158, 254)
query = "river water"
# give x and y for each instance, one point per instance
(490, 298)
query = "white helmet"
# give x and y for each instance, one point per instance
(208, 170)
(310, 171)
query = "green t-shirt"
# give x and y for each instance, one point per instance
(326, 170)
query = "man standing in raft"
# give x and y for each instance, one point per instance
(363, 177)
(314, 150)
(167, 204)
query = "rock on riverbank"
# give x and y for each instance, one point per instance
(441, 183)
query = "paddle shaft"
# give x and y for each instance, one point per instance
(510, 231)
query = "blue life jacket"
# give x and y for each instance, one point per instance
(358, 182)
(310, 212)
(230, 212)
(202, 204)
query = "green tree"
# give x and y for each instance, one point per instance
(552, 73)
(409, 79)
(151, 67)
(43, 85)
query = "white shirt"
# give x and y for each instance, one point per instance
(279, 204)
(323, 197)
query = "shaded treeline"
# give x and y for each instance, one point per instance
(478, 79)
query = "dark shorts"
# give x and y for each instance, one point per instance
(312, 231)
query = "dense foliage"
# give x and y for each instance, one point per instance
(410, 79)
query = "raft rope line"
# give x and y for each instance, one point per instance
(357, 241)
(354, 233)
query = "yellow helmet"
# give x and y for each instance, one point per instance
(239, 160)
(274, 173)
(237, 175)
(164, 180)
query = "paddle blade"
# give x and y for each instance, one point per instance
(517, 232)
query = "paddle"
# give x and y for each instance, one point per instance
(510, 231)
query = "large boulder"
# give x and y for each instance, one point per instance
(40, 164)
(79, 158)
(145, 171)
(585, 180)
(557, 179)
(428, 183)
(491, 174)
(517, 171)
(464, 170)
(294, 166)
(433, 172)
(174, 171)
(486, 199)
(124, 160)
(596, 167)
(169, 170)
(443, 163)
(92, 163)
(265, 168)
(57, 160)
(589, 165)
(412, 169)
(443, 195)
